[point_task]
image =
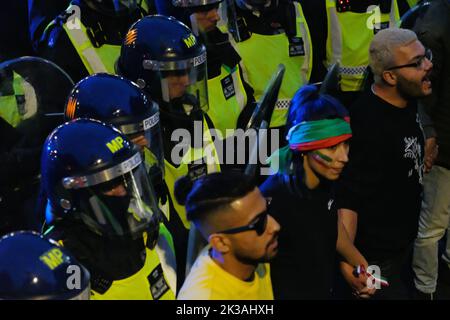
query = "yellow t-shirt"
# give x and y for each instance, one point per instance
(208, 281)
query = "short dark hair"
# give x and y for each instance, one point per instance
(309, 105)
(211, 193)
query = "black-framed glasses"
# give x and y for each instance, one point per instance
(259, 224)
(419, 64)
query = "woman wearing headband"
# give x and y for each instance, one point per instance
(302, 196)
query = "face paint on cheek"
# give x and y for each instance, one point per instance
(322, 159)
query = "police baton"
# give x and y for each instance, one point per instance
(330, 84)
(260, 118)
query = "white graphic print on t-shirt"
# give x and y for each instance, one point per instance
(413, 150)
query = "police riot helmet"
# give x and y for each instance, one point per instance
(164, 57)
(32, 267)
(120, 102)
(91, 171)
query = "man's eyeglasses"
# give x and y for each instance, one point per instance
(259, 224)
(419, 64)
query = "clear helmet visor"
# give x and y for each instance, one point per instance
(185, 91)
(205, 15)
(183, 83)
(30, 107)
(154, 152)
(123, 206)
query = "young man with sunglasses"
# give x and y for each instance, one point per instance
(379, 195)
(231, 213)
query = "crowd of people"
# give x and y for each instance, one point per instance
(113, 184)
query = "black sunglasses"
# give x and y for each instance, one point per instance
(418, 64)
(259, 224)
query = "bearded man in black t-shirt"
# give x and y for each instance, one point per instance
(379, 194)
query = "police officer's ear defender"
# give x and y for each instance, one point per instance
(66, 203)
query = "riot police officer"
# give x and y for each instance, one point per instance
(231, 98)
(279, 29)
(105, 211)
(121, 103)
(351, 26)
(86, 38)
(166, 59)
(35, 268)
(30, 109)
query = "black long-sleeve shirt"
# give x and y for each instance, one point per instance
(303, 267)
(382, 180)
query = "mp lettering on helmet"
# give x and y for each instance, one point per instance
(190, 41)
(52, 258)
(115, 144)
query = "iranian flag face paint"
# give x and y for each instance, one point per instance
(321, 158)
(329, 162)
